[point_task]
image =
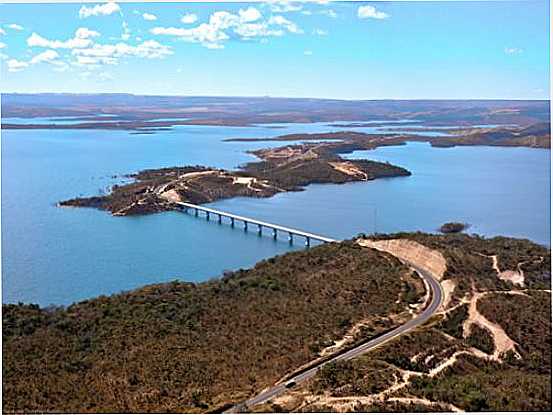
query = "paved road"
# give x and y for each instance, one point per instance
(436, 301)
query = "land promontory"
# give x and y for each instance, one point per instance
(288, 168)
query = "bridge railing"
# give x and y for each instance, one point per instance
(260, 224)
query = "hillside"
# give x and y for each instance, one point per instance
(489, 349)
(183, 347)
(139, 112)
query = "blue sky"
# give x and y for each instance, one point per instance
(348, 50)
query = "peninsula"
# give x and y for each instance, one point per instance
(282, 169)
(536, 136)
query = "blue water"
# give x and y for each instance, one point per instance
(55, 120)
(54, 255)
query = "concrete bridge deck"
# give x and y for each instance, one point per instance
(260, 224)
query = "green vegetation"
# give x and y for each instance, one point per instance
(477, 385)
(469, 260)
(452, 323)
(296, 174)
(446, 369)
(527, 320)
(289, 168)
(399, 407)
(410, 351)
(481, 338)
(359, 377)
(182, 347)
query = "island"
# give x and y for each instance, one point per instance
(282, 169)
(453, 227)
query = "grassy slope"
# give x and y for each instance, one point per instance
(181, 347)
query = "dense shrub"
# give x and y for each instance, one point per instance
(182, 347)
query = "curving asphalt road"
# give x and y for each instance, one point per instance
(436, 302)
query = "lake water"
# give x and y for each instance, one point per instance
(54, 255)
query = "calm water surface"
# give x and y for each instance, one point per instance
(54, 255)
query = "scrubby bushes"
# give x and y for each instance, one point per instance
(182, 347)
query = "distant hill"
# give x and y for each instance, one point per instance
(235, 110)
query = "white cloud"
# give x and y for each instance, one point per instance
(251, 14)
(14, 26)
(320, 32)
(513, 51)
(85, 33)
(189, 18)
(248, 31)
(46, 56)
(99, 9)
(149, 16)
(86, 52)
(80, 40)
(2, 45)
(282, 21)
(107, 54)
(366, 12)
(284, 6)
(2, 31)
(326, 12)
(206, 34)
(15, 66)
(247, 24)
(95, 61)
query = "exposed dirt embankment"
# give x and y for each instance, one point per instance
(427, 259)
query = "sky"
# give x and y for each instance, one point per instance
(318, 49)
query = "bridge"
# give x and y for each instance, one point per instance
(249, 221)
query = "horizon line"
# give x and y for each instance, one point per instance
(272, 96)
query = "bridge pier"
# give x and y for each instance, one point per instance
(187, 207)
